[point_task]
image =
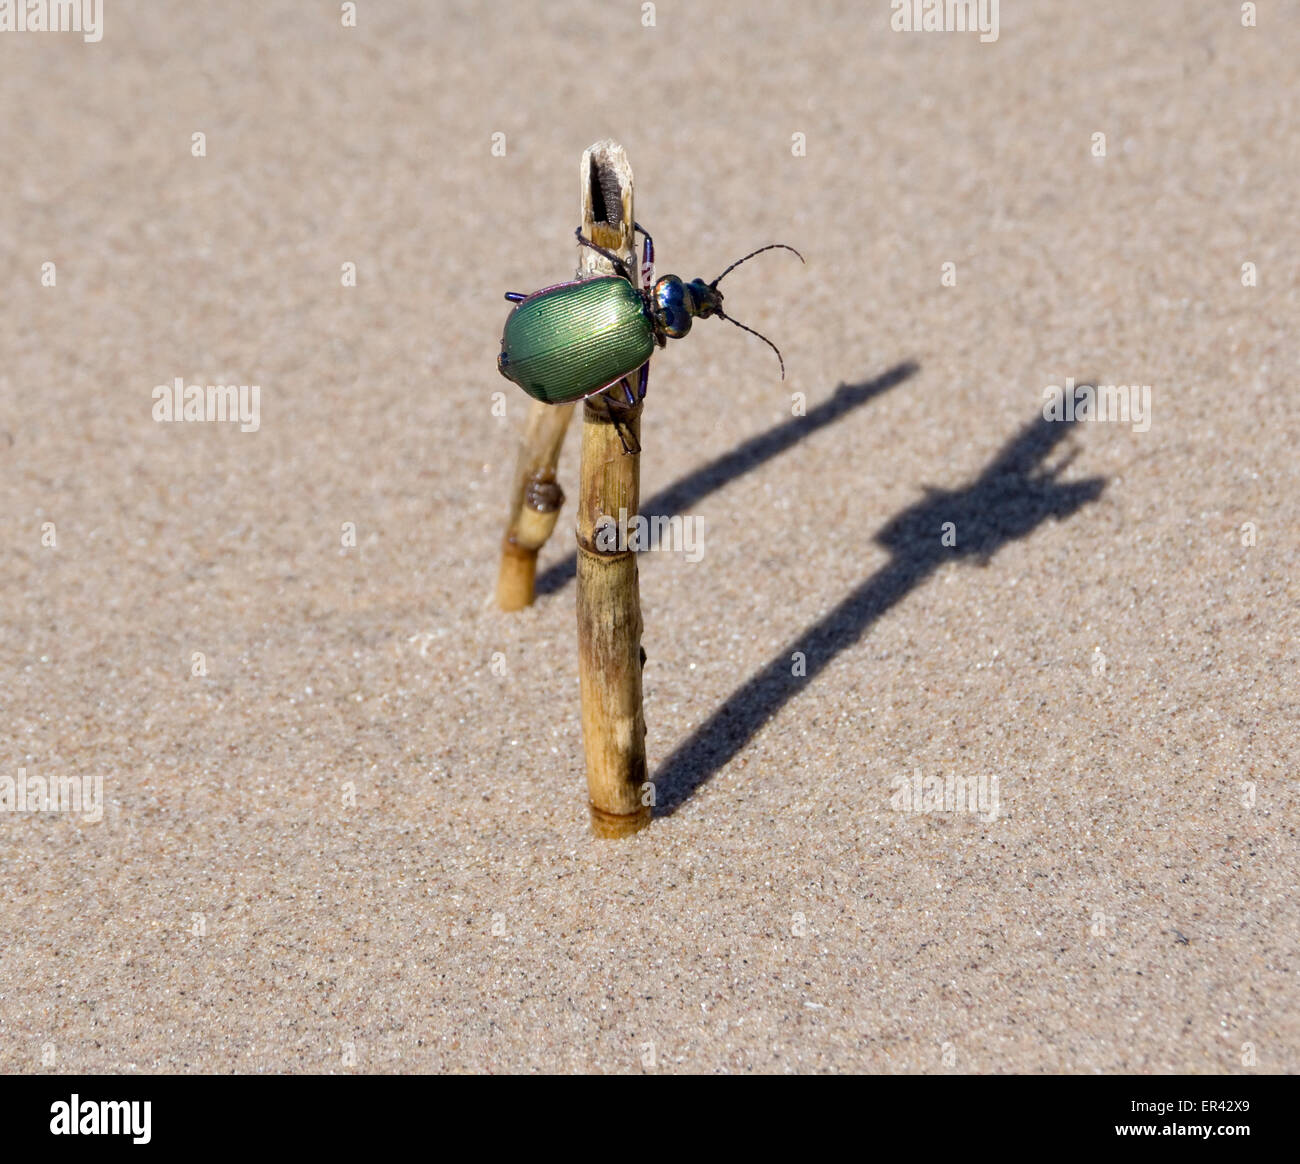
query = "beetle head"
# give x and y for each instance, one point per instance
(674, 303)
(707, 298)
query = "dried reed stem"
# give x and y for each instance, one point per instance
(609, 602)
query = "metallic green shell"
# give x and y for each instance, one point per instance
(569, 341)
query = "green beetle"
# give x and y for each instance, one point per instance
(578, 339)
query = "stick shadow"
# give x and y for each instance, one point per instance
(1013, 495)
(681, 495)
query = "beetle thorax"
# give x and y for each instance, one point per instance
(674, 303)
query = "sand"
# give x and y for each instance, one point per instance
(344, 822)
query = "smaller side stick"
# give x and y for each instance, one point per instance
(535, 503)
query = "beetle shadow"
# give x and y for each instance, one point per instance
(1014, 494)
(745, 457)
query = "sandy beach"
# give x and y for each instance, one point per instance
(1028, 803)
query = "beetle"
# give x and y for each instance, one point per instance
(574, 340)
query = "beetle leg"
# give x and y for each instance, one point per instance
(627, 392)
(620, 267)
(643, 380)
(515, 296)
(647, 256)
(618, 427)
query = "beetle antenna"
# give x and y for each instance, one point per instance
(751, 331)
(769, 247)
